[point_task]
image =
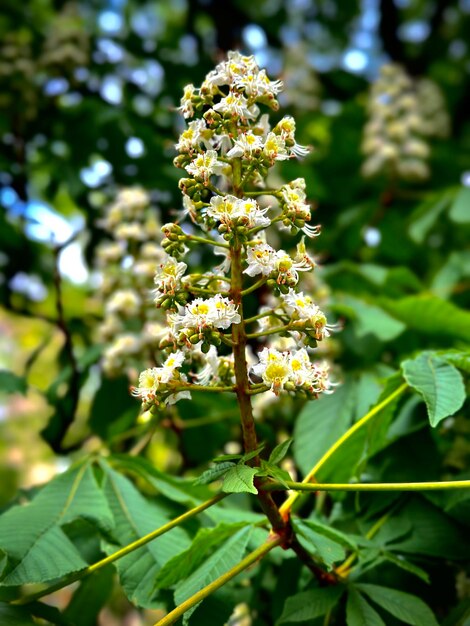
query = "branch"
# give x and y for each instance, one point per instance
(250, 559)
(123, 551)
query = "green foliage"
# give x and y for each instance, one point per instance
(310, 604)
(239, 479)
(439, 383)
(11, 383)
(136, 516)
(33, 535)
(404, 606)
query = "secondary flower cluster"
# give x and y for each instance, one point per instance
(130, 327)
(402, 115)
(227, 149)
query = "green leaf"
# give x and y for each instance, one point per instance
(239, 479)
(360, 613)
(11, 383)
(321, 423)
(426, 215)
(404, 606)
(308, 605)
(280, 452)
(438, 382)
(458, 358)
(228, 555)
(406, 565)
(460, 209)
(329, 550)
(430, 315)
(182, 490)
(90, 597)
(227, 457)
(136, 516)
(371, 319)
(274, 471)
(181, 565)
(251, 455)
(431, 532)
(31, 535)
(214, 473)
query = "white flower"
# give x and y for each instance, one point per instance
(229, 209)
(154, 379)
(186, 104)
(225, 312)
(287, 268)
(301, 368)
(168, 276)
(200, 314)
(245, 145)
(196, 133)
(258, 84)
(297, 303)
(281, 370)
(211, 366)
(125, 302)
(261, 259)
(204, 165)
(273, 368)
(236, 105)
(275, 148)
(286, 128)
(130, 230)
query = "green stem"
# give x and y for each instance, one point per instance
(313, 487)
(211, 242)
(263, 192)
(260, 316)
(250, 559)
(206, 388)
(206, 292)
(287, 505)
(254, 287)
(123, 551)
(271, 331)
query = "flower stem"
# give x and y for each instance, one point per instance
(211, 242)
(250, 559)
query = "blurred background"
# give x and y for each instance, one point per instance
(88, 91)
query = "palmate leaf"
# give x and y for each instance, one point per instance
(404, 606)
(439, 383)
(226, 557)
(183, 564)
(31, 535)
(308, 605)
(319, 542)
(136, 516)
(360, 613)
(175, 488)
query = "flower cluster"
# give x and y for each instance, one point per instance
(127, 262)
(402, 115)
(227, 150)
